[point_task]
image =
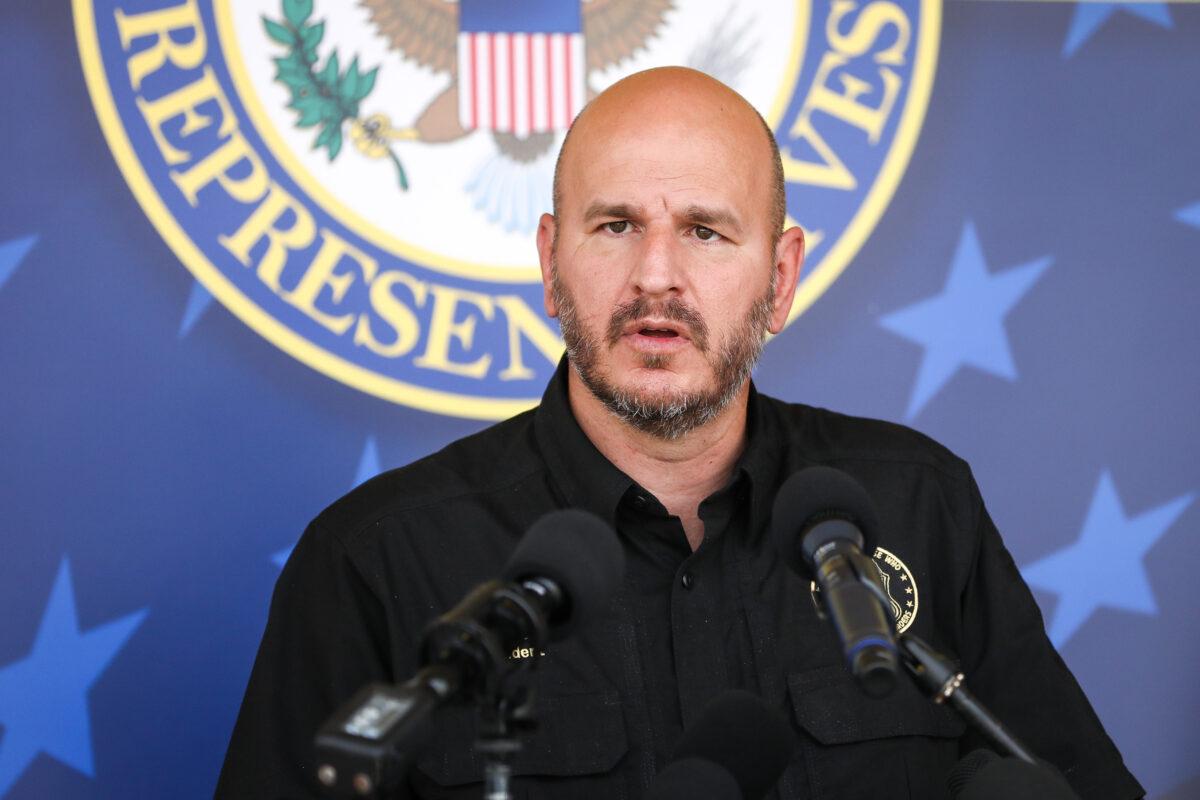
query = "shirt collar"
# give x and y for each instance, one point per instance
(589, 481)
(585, 477)
(763, 459)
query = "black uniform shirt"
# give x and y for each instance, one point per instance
(374, 568)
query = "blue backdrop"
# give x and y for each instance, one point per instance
(1029, 297)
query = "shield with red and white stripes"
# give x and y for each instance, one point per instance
(520, 65)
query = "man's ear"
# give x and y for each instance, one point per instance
(545, 247)
(789, 258)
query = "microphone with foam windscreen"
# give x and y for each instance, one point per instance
(689, 778)
(983, 775)
(560, 577)
(572, 563)
(735, 750)
(820, 523)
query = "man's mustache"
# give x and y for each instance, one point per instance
(674, 310)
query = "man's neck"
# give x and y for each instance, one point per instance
(681, 472)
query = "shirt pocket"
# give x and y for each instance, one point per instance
(577, 744)
(899, 746)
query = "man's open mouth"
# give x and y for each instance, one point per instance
(656, 329)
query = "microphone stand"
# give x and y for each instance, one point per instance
(940, 677)
(367, 745)
(503, 695)
(503, 718)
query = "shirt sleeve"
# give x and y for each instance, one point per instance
(1015, 671)
(326, 636)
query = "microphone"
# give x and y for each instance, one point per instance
(573, 563)
(689, 778)
(818, 524)
(735, 750)
(559, 578)
(983, 775)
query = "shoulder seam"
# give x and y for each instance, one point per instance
(957, 472)
(936, 456)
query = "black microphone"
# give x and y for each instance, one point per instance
(573, 563)
(818, 524)
(560, 577)
(690, 778)
(983, 775)
(735, 750)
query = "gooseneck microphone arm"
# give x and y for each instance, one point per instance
(940, 678)
(821, 523)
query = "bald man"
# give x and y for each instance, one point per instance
(666, 264)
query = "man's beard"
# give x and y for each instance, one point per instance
(668, 415)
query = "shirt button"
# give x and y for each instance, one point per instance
(639, 500)
(688, 580)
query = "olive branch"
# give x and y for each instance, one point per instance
(325, 97)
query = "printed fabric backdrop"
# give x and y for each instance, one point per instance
(253, 253)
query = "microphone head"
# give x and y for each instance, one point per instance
(690, 778)
(983, 775)
(738, 732)
(967, 768)
(581, 554)
(820, 495)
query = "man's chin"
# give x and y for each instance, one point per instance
(651, 384)
(655, 398)
(660, 402)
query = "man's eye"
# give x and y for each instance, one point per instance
(619, 226)
(706, 234)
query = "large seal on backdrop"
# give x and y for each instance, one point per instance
(361, 183)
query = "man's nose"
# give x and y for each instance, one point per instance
(659, 267)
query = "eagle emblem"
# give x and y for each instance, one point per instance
(517, 71)
(899, 584)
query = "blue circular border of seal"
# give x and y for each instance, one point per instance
(865, 216)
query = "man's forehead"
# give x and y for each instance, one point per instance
(651, 174)
(623, 132)
(672, 126)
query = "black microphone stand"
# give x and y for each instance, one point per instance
(367, 745)
(502, 692)
(939, 676)
(941, 679)
(503, 719)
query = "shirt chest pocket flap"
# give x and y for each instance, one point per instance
(898, 746)
(833, 710)
(575, 735)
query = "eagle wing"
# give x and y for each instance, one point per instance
(425, 31)
(617, 29)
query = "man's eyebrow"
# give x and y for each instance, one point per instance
(602, 208)
(712, 217)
